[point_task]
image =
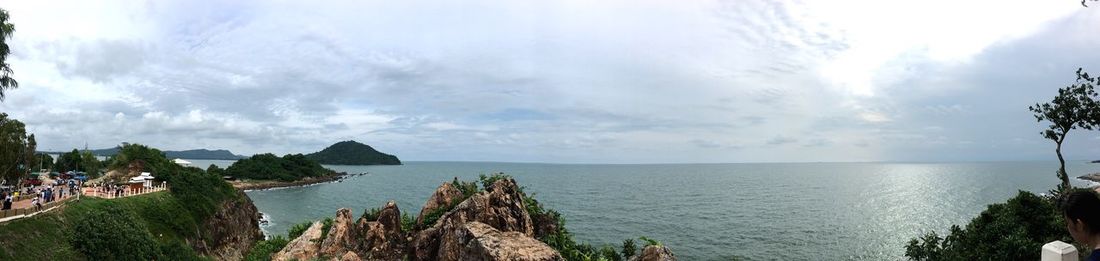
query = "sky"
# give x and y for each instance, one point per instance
(555, 81)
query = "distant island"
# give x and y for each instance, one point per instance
(353, 153)
(200, 154)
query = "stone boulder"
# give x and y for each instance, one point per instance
(341, 236)
(482, 242)
(304, 247)
(655, 253)
(350, 256)
(500, 206)
(445, 196)
(382, 239)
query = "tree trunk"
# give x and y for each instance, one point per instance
(1062, 166)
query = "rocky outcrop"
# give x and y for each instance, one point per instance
(482, 242)
(382, 239)
(655, 253)
(445, 196)
(304, 247)
(491, 225)
(231, 231)
(341, 236)
(500, 206)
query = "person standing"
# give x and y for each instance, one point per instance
(1081, 210)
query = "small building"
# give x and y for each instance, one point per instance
(143, 180)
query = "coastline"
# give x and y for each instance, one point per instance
(1094, 177)
(250, 185)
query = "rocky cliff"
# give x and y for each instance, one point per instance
(231, 231)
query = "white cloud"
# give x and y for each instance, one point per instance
(609, 81)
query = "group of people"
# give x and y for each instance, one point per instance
(60, 188)
(112, 190)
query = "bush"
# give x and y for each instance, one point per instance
(408, 223)
(1014, 230)
(263, 250)
(297, 229)
(113, 233)
(629, 248)
(371, 214)
(326, 225)
(199, 191)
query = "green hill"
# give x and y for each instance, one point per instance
(353, 153)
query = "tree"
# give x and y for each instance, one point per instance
(1074, 107)
(1013, 230)
(89, 164)
(6, 30)
(13, 146)
(44, 161)
(31, 160)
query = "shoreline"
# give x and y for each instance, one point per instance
(1094, 177)
(253, 185)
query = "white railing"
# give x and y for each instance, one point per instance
(1059, 251)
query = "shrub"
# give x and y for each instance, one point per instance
(113, 233)
(608, 252)
(629, 248)
(199, 191)
(326, 225)
(371, 214)
(263, 250)
(297, 229)
(408, 223)
(468, 188)
(1013, 230)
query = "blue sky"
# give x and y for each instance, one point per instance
(555, 81)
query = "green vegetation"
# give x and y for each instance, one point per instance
(6, 31)
(112, 233)
(1014, 230)
(353, 153)
(629, 248)
(155, 226)
(298, 229)
(263, 250)
(1017, 229)
(80, 161)
(408, 223)
(146, 227)
(43, 161)
(371, 214)
(560, 239)
(267, 166)
(326, 225)
(16, 148)
(1076, 106)
(137, 157)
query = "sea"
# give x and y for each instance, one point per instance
(743, 211)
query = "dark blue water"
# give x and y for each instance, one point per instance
(710, 211)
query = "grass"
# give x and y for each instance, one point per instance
(45, 236)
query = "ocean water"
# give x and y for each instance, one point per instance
(831, 211)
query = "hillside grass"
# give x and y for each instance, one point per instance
(46, 236)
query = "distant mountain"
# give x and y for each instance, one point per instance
(353, 153)
(203, 154)
(200, 154)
